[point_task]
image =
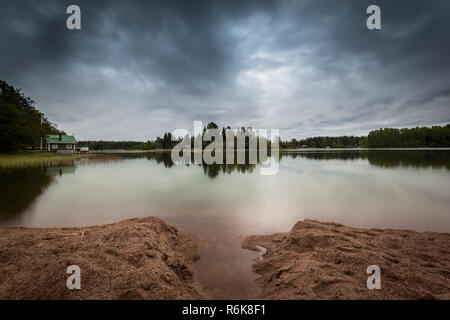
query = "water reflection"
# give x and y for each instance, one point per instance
(383, 158)
(221, 203)
(20, 187)
(210, 170)
(411, 158)
(380, 158)
(436, 159)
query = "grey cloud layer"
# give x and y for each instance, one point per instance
(138, 68)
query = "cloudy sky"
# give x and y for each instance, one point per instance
(139, 68)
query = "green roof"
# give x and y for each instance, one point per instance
(54, 138)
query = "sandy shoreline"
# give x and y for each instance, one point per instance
(149, 259)
(319, 260)
(132, 259)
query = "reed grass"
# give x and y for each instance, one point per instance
(24, 159)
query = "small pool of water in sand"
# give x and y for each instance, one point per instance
(221, 204)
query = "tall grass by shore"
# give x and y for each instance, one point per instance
(24, 159)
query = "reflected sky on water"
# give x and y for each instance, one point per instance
(222, 203)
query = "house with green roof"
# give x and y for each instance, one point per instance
(61, 143)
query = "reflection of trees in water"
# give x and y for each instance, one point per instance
(327, 155)
(20, 187)
(411, 158)
(210, 170)
(379, 158)
(383, 158)
(213, 170)
(161, 157)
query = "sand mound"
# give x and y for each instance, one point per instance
(131, 259)
(317, 260)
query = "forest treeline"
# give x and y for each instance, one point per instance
(419, 137)
(167, 142)
(324, 142)
(159, 143)
(21, 125)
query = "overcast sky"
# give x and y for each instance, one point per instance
(139, 68)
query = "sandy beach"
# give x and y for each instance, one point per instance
(319, 260)
(149, 259)
(132, 259)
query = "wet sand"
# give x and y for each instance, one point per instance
(318, 260)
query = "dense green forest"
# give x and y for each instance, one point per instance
(112, 145)
(159, 143)
(21, 125)
(419, 137)
(166, 141)
(323, 142)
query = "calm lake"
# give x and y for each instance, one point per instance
(222, 203)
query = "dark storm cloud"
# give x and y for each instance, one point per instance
(307, 67)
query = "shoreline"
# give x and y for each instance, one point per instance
(327, 260)
(141, 258)
(146, 258)
(37, 158)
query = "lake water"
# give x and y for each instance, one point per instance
(223, 203)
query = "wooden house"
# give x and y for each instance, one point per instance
(61, 143)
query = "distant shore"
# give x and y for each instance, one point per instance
(357, 149)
